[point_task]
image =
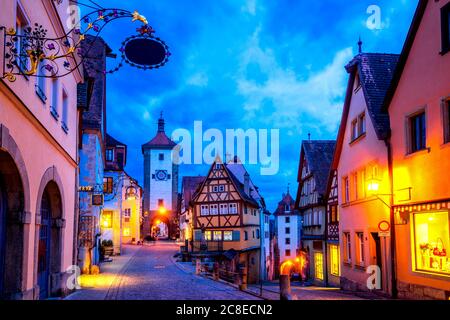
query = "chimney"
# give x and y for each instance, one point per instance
(247, 183)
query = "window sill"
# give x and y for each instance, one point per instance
(357, 139)
(54, 113)
(418, 152)
(40, 93)
(443, 52)
(360, 267)
(64, 127)
(347, 264)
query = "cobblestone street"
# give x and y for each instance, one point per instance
(149, 273)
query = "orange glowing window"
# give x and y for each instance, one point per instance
(126, 232)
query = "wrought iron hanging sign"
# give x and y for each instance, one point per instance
(31, 53)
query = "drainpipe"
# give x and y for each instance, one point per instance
(392, 220)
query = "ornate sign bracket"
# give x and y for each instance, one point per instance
(30, 52)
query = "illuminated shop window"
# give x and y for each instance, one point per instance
(217, 235)
(107, 219)
(228, 235)
(318, 263)
(126, 232)
(208, 235)
(334, 257)
(432, 242)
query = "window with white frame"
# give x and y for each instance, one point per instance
(213, 209)
(41, 83)
(346, 190)
(204, 210)
(347, 247)
(233, 208)
(54, 106)
(228, 235)
(22, 23)
(358, 127)
(221, 188)
(223, 208)
(360, 248)
(65, 111)
(217, 236)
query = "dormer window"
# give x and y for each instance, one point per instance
(217, 166)
(110, 155)
(287, 208)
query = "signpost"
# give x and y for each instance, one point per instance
(384, 229)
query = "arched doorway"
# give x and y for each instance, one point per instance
(159, 227)
(11, 228)
(49, 247)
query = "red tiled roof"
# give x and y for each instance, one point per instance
(160, 140)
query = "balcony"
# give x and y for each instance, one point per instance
(208, 246)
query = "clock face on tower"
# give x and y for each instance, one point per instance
(161, 175)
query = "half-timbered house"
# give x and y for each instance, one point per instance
(226, 221)
(332, 231)
(314, 168)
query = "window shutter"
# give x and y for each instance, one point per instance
(197, 235)
(236, 236)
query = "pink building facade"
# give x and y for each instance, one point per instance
(38, 166)
(361, 155)
(419, 108)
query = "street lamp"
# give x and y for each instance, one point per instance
(162, 210)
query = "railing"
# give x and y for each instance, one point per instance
(208, 246)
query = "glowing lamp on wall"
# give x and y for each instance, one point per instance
(162, 210)
(373, 185)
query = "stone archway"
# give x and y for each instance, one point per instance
(50, 223)
(15, 219)
(158, 223)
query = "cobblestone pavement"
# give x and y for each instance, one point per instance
(149, 273)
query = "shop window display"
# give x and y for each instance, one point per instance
(432, 242)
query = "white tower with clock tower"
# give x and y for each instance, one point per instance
(160, 185)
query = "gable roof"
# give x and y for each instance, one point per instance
(286, 200)
(319, 155)
(161, 140)
(238, 170)
(234, 180)
(189, 185)
(375, 72)
(417, 19)
(112, 142)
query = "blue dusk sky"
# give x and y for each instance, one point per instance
(274, 64)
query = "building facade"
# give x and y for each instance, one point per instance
(419, 105)
(314, 168)
(121, 214)
(160, 186)
(38, 118)
(361, 157)
(226, 221)
(92, 132)
(288, 229)
(333, 262)
(189, 186)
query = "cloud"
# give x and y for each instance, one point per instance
(317, 97)
(249, 7)
(199, 79)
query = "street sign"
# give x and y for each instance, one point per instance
(85, 189)
(382, 234)
(97, 199)
(384, 229)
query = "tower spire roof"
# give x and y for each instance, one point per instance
(161, 140)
